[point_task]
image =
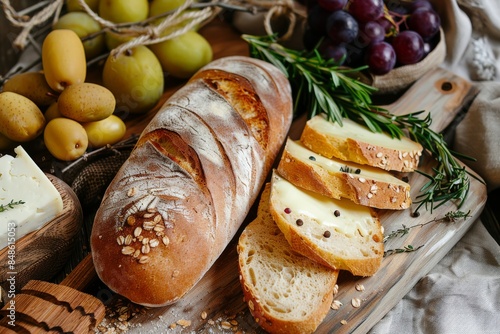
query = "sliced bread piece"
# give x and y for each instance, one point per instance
(354, 142)
(285, 291)
(338, 179)
(336, 233)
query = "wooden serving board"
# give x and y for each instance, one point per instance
(218, 295)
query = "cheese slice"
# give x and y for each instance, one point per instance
(22, 180)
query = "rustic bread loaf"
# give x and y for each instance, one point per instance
(190, 181)
(285, 291)
(338, 179)
(339, 234)
(354, 142)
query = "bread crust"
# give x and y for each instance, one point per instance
(189, 183)
(361, 151)
(358, 188)
(264, 231)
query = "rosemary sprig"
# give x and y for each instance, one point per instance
(10, 205)
(322, 86)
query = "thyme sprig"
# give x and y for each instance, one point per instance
(322, 86)
(449, 217)
(10, 205)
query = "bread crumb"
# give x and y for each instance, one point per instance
(184, 323)
(343, 322)
(356, 302)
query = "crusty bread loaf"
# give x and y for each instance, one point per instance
(189, 183)
(338, 179)
(339, 234)
(354, 142)
(286, 292)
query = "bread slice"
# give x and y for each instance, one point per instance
(339, 234)
(285, 291)
(354, 142)
(338, 179)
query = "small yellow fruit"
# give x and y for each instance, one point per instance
(65, 139)
(52, 112)
(86, 102)
(20, 119)
(87, 28)
(33, 86)
(63, 59)
(108, 131)
(6, 143)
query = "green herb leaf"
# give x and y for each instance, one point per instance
(10, 205)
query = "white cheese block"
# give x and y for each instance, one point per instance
(22, 180)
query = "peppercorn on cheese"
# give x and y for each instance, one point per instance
(34, 199)
(339, 234)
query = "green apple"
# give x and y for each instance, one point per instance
(135, 78)
(74, 6)
(158, 7)
(113, 39)
(124, 11)
(84, 25)
(182, 56)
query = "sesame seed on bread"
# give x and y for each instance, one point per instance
(338, 179)
(354, 142)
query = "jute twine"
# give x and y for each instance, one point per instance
(26, 22)
(156, 30)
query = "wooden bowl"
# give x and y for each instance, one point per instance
(41, 254)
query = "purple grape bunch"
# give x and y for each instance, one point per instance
(381, 34)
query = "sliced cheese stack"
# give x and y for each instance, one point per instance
(22, 180)
(327, 186)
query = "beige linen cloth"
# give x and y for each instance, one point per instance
(462, 293)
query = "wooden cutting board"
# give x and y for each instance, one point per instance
(215, 305)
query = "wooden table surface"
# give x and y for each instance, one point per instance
(218, 294)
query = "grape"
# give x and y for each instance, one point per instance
(341, 27)
(381, 58)
(337, 52)
(371, 32)
(366, 10)
(385, 23)
(425, 22)
(409, 47)
(332, 5)
(418, 4)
